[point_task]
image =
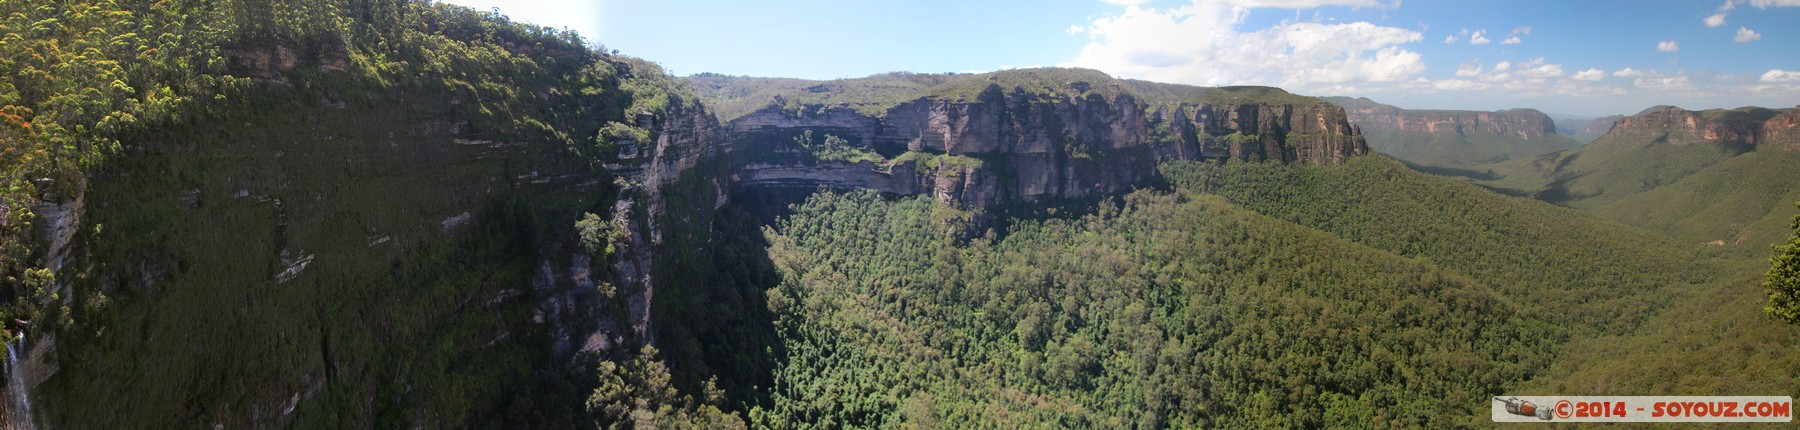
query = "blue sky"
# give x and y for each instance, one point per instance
(1582, 57)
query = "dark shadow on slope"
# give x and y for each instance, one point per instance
(1480, 175)
(712, 320)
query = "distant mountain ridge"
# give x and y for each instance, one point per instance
(1584, 129)
(1453, 139)
(1725, 177)
(1750, 125)
(1374, 116)
(1011, 136)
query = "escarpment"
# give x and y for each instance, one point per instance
(1745, 128)
(1456, 139)
(1377, 117)
(1022, 136)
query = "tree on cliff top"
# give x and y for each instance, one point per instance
(1783, 283)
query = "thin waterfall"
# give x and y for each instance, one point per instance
(18, 401)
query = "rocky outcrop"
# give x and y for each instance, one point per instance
(685, 139)
(1744, 128)
(1783, 130)
(269, 62)
(1013, 145)
(1377, 117)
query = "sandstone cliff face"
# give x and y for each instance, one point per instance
(1746, 127)
(1019, 146)
(1783, 130)
(684, 140)
(1374, 117)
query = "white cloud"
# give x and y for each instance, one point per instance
(1502, 66)
(1294, 4)
(1512, 38)
(1476, 39)
(1745, 34)
(1590, 75)
(1469, 69)
(1628, 73)
(1200, 43)
(1457, 84)
(1778, 75)
(1073, 29)
(1126, 2)
(1450, 39)
(1665, 83)
(1668, 46)
(1765, 4)
(1718, 19)
(1537, 69)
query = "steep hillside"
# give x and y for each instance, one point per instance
(1741, 205)
(1530, 251)
(1453, 139)
(1638, 313)
(339, 214)
(1742, 152)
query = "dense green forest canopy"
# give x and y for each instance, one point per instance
(1250, 294)
(1160, 309)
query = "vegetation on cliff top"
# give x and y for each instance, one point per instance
(733, 96)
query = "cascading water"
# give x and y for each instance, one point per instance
(18, 404)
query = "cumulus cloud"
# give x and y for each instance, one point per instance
(1513, 37)
(1668, 46)
(1476, 39)
(1665, 83)
(1457, 84)
(1502, 66)
(1765, 4)
(1778, 76)
(1295, 4)
(1628, 73)
(1200, 43)
(1590, 75)
(1718, 19)
(1450, 39)
(1538, 69)
(1745, 34)
(1469, 69)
